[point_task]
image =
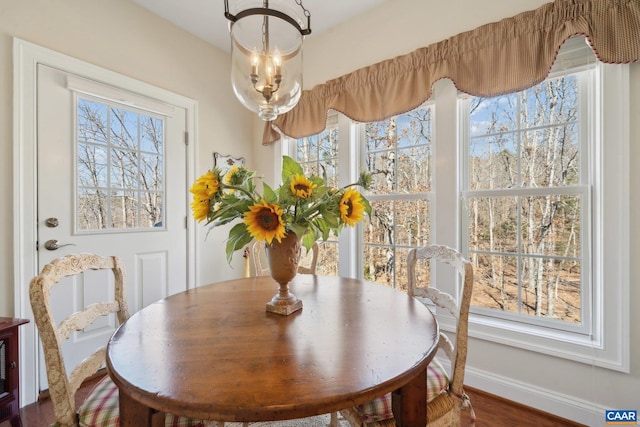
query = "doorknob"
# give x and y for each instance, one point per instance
(51, 222)
(52, 245)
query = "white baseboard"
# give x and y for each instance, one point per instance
(568, 407)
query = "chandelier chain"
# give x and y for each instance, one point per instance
(305, 11)
(265, 34)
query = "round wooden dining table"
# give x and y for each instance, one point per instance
(215, 353)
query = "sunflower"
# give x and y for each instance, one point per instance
(264, 222)
(233, 177)
(351, 207)
(301, 187)
(206, 186)
(200, 208)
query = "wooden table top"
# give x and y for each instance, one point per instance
(214, 352)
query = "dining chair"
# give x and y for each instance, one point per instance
(261, 264)
(101, 406)
(445, 395)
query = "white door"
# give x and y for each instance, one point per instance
(111, 180)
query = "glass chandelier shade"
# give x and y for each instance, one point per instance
(266, 55)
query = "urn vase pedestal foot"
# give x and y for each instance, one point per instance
(284, 302)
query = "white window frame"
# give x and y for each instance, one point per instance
(605, 339)
(607, 344)
(586, 83)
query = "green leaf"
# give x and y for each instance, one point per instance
(289, 168)
(317, 181)
(322, 226)
(268, 194)
(308, 239)
(331, 218)
(367, 205)
(238, 237)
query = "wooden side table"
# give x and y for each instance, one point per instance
(9, 370)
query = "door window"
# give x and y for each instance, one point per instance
(120, 168)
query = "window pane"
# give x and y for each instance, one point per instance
(551, 289)
(124, 128)
(550, 102)
(318, 155)
(91, 213)
(92, 165)
(124, 209)
(119, 152)
(495, 282)
(382, 166)
(328, 256)
(551, 225)
(413, 226)
(151, 168)
(414, 169)
(151, 206)
(91, 116)
(493, 115)
(152, 136)
(307, 149)
(550, 157)
(398, 153)
(379, 229)
(378, 264)
(493, 224)
(124, 169)
(400, 265)
(524, 151)
(493, 162)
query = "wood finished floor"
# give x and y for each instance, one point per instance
(491, 411)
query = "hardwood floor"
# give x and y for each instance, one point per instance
(491, 411)
(495, 411)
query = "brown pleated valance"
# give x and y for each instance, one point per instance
(497, 58)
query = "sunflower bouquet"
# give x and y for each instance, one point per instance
(302, 205)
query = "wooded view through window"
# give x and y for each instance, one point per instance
(526, 200)
(397, 154)
(120, 168)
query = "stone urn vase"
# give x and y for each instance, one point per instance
(283, 258)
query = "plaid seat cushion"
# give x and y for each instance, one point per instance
(380, 408)
(101, 409)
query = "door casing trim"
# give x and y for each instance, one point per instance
(26, 57)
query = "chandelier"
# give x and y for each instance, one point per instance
(266, 54)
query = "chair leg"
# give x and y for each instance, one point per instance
(334, 420)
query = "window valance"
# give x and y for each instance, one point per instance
(505, 56)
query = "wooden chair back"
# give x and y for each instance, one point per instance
(458, 308)
(62, 388)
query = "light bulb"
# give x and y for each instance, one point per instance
(255, 59)
(277, 62)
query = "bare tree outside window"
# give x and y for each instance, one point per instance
(525, 200)
(120, 168)
(397, 153)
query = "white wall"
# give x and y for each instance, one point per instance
(123, 37)
(573, 390)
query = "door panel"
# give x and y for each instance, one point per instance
(152, 245)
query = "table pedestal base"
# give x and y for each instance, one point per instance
(284, 302)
